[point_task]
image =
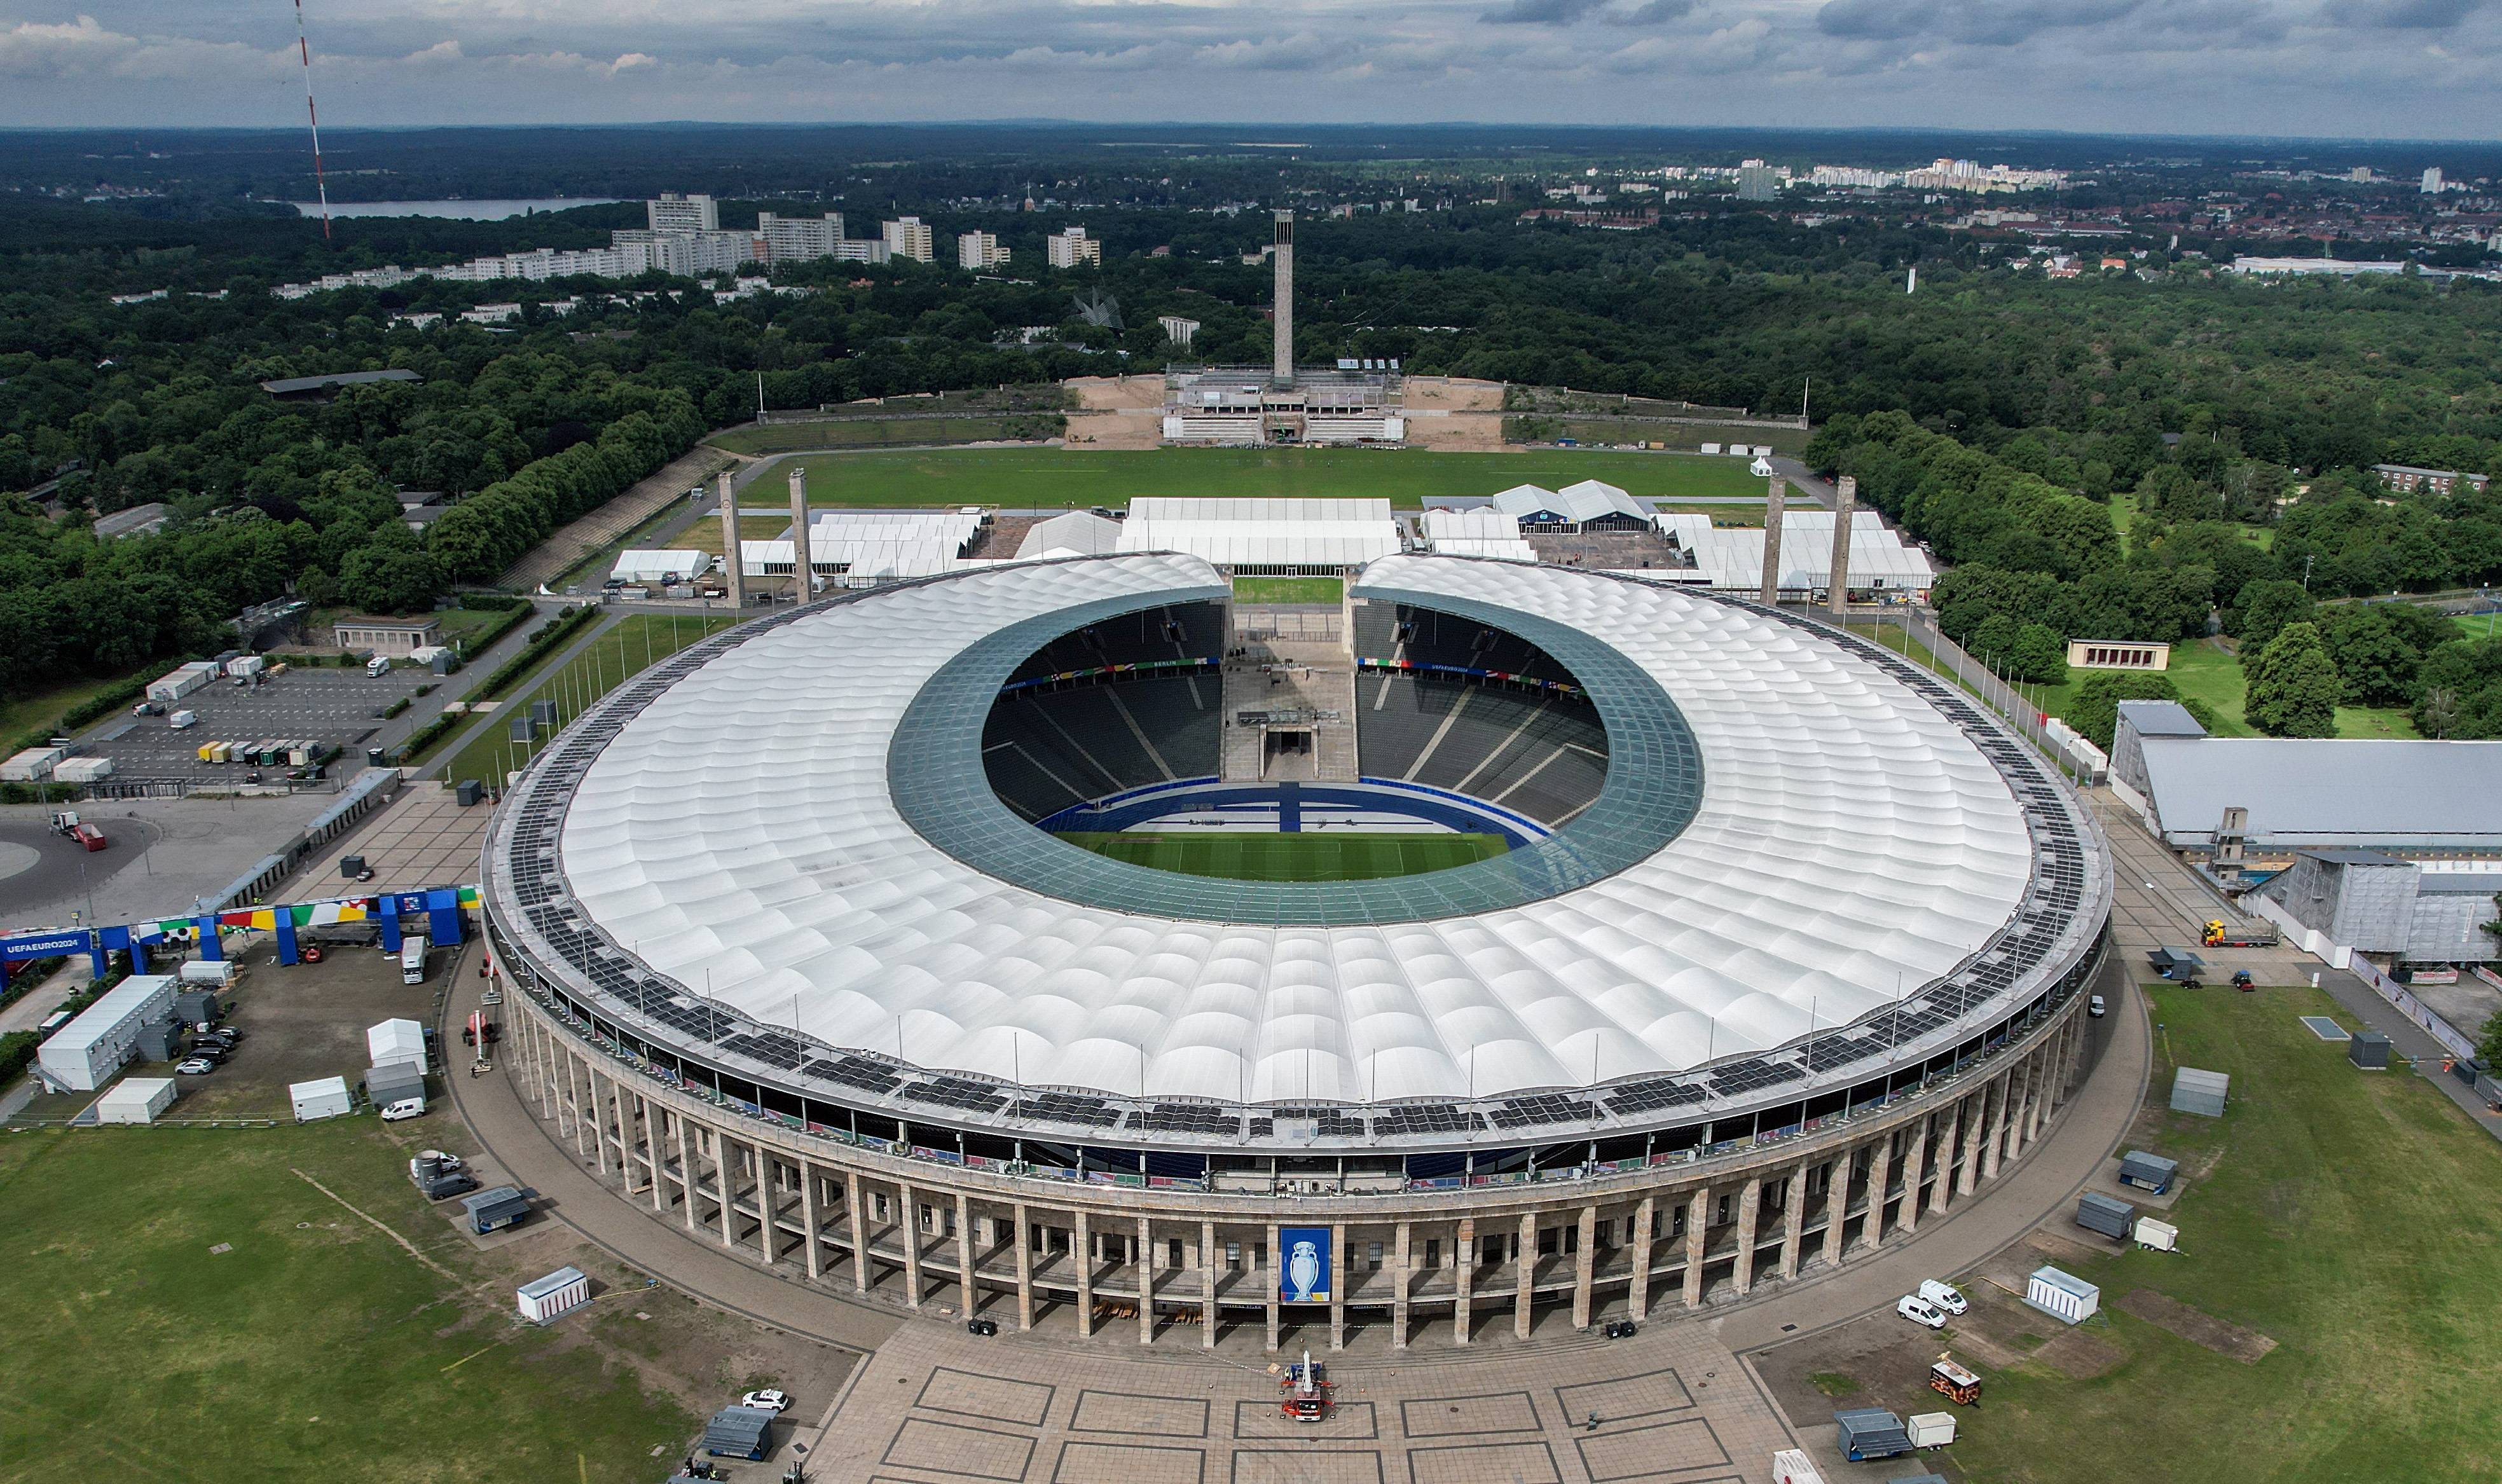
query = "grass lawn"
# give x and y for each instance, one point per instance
(1049, 479)
(620, 651)
(874, 433)
(24, 713)
(1288, 589)
(706, 534)
(316, 1349)
(1309, 857)
(2352, 1217)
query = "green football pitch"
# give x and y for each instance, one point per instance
(1306, 857)
(1057, 479)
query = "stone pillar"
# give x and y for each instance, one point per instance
(768, 1207)
(1024, 1269)
(1793, 1218)
(1146, 1266)
(802, 571)
(1083, 1250)
(1773, 499)
(655, 1124)
(686, 1170)
(600, 1101)
(911, 1227)
(1398, 1290)
(855, 1221)
(1991, 1138)
(1881, 1172)
(1584, 1269)
(1528, 1270)
(1637, 1243)
(1949, 1120)
(572, 1101)
(1463, 1278)
(1750, 1205)
(1845, 495)
(1972, 1110)
(808, 1219)
(964, 1277)
(2037, 1104)
(1914, 1164)
(1207, 1284)
(1338, 1285)
(733, 571)
(2019, 1100)
(1697, 1210)
(1284, 303)
(1276, 1285)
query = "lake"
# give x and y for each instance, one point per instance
(466, 210)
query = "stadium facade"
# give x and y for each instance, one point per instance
(1778, 953)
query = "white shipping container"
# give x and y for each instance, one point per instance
(1931, 1430)
(216, 973)
(83, 769)
(2062, 1295)
(2160, 1235)
(1792, 1466)
(33, 765)
(244, 667)
(135, 1101)
(83, 1055)
(174, 684)
(544, 1298)
(324, 1099)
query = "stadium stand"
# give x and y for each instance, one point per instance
(1183, 632)
(1047, 749)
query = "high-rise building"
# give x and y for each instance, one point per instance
(1177, 329)
(1758, 181)
(976, 251)
(674, 213)
(2432, 181)
(908, 238)
(1070, 245)
(791, 239)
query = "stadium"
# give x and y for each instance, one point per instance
(1051, 939)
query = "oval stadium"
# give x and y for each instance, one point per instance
(1064, 934)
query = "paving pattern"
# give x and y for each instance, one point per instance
(931, 1406)
(424, 839)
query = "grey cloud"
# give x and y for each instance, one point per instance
(1975, 21)
(1655, 12)
(2402, 15)
(1545, 12)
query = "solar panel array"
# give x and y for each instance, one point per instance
(1411, 1119)
(1542, 1108)
(1328, 1122)
(1187, 1118)
(1067, 1108)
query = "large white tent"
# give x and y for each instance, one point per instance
(1276, 532)
(1481, 531)
(1732, 556)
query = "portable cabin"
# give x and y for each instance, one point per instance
(1868, 1432)
(738, 1432)
(558, 1293)
(2198, 1091)
(2158, 1235)
(325, 1098)
(494, 1211)
(135, 1101)
(2369, 1050)
(2063, 1296)
(2098, 1212)
(2147, 1171)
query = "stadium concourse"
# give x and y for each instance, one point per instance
(1764, 947)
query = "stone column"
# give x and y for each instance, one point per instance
(1276, 1285)
(686, 1170)
(1398, 1290)
(1846, 494)
(1083, 1250)
(1585, 1257)
(1638, 1242)
(1462, 1278)
(1024, 1269)
(1207, 1283)
(599, 1111)
(964, 1257)
(855, 1221)
(803, 567)
(733, 575)
(1881, 1162)
(1528, 1270)
(911, 1215)
(1774, 499)
(768, 1207)
(571, 1100)
(1697, 1210)
(1991, 1138)
(1949, 1132)
(1751, 1205)
(655, 1125)
(1974, 1108)
(543, 1062)
(808, 1219)
(1338, 1285)
(1916, 1158)
(1793, 1218)
(722, 1186)
(2037, 1102)
(1146, 1266)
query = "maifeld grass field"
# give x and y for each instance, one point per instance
(1057, 478)
(1308, 856)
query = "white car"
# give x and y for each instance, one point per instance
(1943, 1295)
(2094, 1006)
(1920, 1311)
(196, 1067)
(766, 1401)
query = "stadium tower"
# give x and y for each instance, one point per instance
(1284, 369)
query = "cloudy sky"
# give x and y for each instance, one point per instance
(2347, 68)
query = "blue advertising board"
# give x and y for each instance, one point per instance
(1305, 1276)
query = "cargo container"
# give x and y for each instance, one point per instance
(83, 1055)
(2147, 1171)
(218, 973)
(1870, 1432)
(2158, 1235)
(175, 684)
(210, 751)
(2098, 1212)
(326, 1098)
(1931, 1430)
(135, 1101)
(2368, 1049)
(183, 720)
(246, 666)
(33, 765)
(89, 837)
(2063, 1296)
(558, 1293)
(494, 1211)
(2198, 1091)
(82, 771)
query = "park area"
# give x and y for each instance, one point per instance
(1239, 856)
(1062, 479)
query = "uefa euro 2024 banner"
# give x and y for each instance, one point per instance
(1306, 1275)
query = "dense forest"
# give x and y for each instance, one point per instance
(2095, 455)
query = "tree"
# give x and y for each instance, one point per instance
(2263, 607)
(2038, 657)
(2293, 686)
(2375, 652)
(2095, 712)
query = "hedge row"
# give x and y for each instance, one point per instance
(564, 626)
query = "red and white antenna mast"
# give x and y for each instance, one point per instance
(304, 49)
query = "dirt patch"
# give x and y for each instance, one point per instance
(2165, 1312)
(2080, 1356)
(1878, 1359)
(1000, 539)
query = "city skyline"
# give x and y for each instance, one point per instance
(2105, 67)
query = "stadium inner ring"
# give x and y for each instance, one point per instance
(1872, 1117)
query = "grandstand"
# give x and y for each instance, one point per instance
(1123, 704)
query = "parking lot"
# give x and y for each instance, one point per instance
(338, 707)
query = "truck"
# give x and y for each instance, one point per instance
(184, 721)
(378, 666)
(412, 959)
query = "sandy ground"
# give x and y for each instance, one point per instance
(1117, 412)
(1453, 413)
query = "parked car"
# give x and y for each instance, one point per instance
(207, 1051)
(2094, 1006)
(445, 1187)
(196, 1067)
(1943, 1295)
(406, 1107)
(767, 1401)
(1920, 1311)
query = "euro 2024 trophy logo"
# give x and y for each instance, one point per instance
(1306, 1266)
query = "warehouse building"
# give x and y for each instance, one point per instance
(2297, 793)
(84, 1054)
(2370, 901)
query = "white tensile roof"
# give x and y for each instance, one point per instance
(1479, 531)
(653, 565)
(1733, 556)
(740, 836)
(1263, 532)
(1586, 501)
(1077, 533)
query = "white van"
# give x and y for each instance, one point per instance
(378, 665)
(412, 959)
(1945, 1296)
(183, 720)
(406, 1107)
